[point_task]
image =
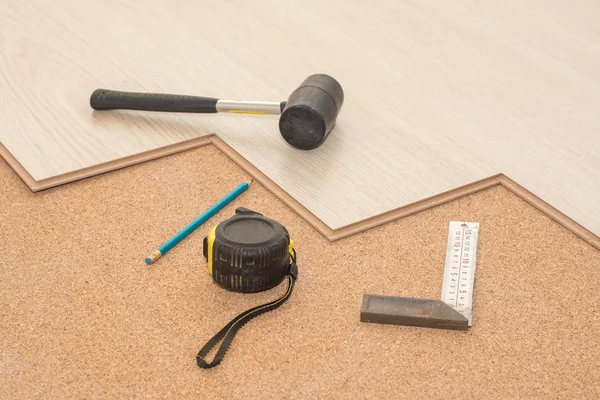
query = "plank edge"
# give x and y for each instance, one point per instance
(272, 187)
(18, 168)
(321, 227)
(550, 211)
(124, 162)
(415, 207)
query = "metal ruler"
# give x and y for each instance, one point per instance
(459, 270)
(455, 309)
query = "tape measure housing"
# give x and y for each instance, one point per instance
(248, 252)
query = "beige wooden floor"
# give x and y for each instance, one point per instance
(438, 94)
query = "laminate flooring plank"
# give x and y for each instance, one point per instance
(368, 165)
(534, 113)
(51, 59)
(438, 94)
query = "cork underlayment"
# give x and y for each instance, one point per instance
(82, 316)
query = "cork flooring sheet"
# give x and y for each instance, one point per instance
(82, 316)
(438, 96)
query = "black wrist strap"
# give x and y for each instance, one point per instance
(227, 334)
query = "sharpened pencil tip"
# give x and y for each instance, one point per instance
(250, 182)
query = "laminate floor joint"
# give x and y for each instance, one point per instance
(314, 221)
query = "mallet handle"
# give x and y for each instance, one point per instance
(103, 99)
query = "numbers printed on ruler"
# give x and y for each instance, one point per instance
(459, 271)
(460, 264)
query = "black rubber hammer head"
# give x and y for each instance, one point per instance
(311, 111)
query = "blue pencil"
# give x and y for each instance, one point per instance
(169, 244)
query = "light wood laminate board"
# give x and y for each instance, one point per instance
(438, 94)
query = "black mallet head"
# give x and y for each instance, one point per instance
(311, 111)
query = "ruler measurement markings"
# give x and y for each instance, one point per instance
(462, 239)
(464, 271)
(459, 271)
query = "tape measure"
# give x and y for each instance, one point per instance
(247, 253)
(459, 269)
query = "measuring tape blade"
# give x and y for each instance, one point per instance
(459, 270)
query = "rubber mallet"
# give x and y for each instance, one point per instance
(306, 119)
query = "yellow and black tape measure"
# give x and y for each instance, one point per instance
(247, 253)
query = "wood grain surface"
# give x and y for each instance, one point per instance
(438, 95)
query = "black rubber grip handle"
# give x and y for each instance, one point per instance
(103, 99)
